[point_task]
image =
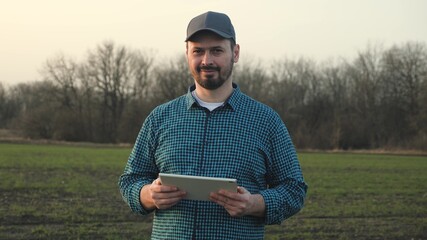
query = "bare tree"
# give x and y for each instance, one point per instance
(171, 80)
(337, 88)
(63, 73)
(297, 93)
(365, 79)
(117, 74)
(254, 80)
(3, 100)
(37, 110)
(377, 100)
(405, 72)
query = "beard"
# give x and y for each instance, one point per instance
(209, 81)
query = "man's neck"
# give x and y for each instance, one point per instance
(214, 96)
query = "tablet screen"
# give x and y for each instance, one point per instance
(198, 188)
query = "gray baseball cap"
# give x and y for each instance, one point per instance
(218, 23)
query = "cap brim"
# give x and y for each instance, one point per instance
(221, 34)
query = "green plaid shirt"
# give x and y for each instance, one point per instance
(243, 139)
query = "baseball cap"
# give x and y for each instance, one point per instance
(218, 23)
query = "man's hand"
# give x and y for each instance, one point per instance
(241, 203)
(156, 195)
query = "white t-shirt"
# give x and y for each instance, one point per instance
(208, 105)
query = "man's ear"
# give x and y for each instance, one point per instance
(236, 53)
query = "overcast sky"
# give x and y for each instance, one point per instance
(32, 31)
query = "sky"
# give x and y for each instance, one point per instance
(32, 32)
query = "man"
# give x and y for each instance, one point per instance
(215, 131)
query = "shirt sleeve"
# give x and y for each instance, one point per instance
(287, 189)
(140, 169)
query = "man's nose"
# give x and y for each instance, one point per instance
(207, 59)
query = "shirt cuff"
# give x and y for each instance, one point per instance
(136, 204)
(272, 209)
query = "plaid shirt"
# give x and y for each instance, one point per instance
(243, 139)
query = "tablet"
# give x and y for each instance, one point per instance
(198, 188)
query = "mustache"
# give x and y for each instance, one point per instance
(208, 68)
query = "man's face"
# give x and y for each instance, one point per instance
(211, 59)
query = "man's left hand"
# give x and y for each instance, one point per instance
(240, 203)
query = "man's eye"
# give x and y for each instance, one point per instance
(197, 51)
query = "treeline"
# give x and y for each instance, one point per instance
(376, 100)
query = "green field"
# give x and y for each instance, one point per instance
(70, 192)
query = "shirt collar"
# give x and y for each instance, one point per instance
(232, 101)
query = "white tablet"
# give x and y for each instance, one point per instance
(198, 188)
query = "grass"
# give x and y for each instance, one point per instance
(360, 196)
(70, 192)
(62, 192)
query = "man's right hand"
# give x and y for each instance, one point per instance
(156, 195)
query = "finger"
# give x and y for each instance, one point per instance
(217, 198)
(234, 211)
(226, 193)
(157, 186)
(242, 190)
(169, 200)
(163, 201)
(224, 201)
(169, 195)
(230, 195)
(166, 203)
